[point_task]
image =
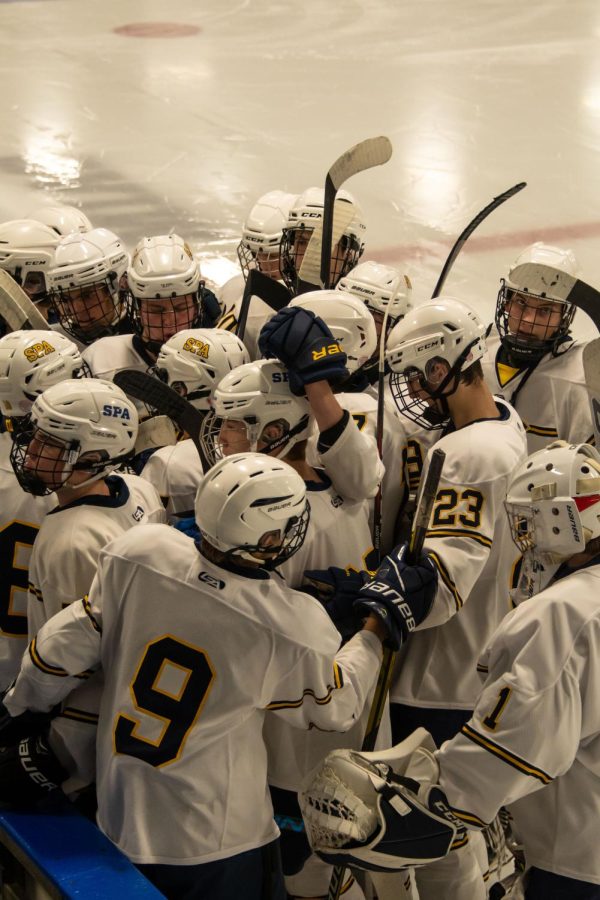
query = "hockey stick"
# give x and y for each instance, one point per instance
(166, 402)
(591, 368)
(415, 546)
(565, 287)
(378, 502)
(272, 292)
(16, 308)
(466, 234)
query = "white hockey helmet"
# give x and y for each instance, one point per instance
(442, 330)
(26, 251)
(532, 313)
(348, 319)
(62, 219)
(379, 286)
(305, 220)
(194, 360)
(84, 283)
(553, 502)
(251, 504)
(262, 231)
(31, 362)
(91, 423)
(257, 394)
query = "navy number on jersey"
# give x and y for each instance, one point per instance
(458, 507)
(14, 538)
(171, 685)
(491, 721)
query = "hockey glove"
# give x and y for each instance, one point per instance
(13, 728)
(337, 590)
(305, 345)
(401, 595)
(30, 774)
(211, 308)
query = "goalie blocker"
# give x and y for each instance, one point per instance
(380, 811)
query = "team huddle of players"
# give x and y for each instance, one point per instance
(193, 634)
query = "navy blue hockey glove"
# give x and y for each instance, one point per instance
(401, 595)
(211, 308)
(337, 590)
(305, 345)
(30, 774)
(13, 728)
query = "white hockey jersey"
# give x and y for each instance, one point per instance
(112, 354)
(20, 517)
(533, 742)
(175, 471)
(62, 568)
(552, 401)
(193, 654)
(230, 298)
(470, 544)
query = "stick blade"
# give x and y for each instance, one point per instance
(16, 308)
(365, 155)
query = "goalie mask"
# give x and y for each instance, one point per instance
(254, 409)
(348, 319)
(84, 283)
(553, 507)
(262, 232)
(26, 251)
(166, 289)
(533, 316)
(85, 425)
(30, 363)
(441, 334)
(253, 507)
(380, 811)
(62, 219)
(379, 287)
(301, 241)
(194, 360)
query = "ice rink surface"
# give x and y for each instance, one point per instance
(156, 117)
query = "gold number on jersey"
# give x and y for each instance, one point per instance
(446, 513)
(13, 538)
(491, 721)
(412, 465)
(171, 685)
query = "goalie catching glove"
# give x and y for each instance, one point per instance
(400, 594)
(304, 343)
(380, 811)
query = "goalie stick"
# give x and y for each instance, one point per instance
(591, 369)
(166, 402)
(272, 292)
(468, 231)
(415, 546)
(16, 308)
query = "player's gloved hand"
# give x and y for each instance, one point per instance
(304, 343)
(211, 308)
(13, 728)
(337, 590)
(401, 595)
(30, 773)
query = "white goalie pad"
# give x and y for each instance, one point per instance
(379, 811)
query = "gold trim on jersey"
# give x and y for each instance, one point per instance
(347, 884)
(228, 322)
(460, 532)
(43, 666)
(541, 430)
(505, 755)
(79, 715)
(88, 611)
(35, 591)
(446, 579)
(469, 818)
(460, 842)
(308, 692)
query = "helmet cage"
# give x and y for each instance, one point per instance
(97, 315)
(266, 259)
(524, 347)
(159, 331)
(344, 255)
(294, 534)
(210, 435)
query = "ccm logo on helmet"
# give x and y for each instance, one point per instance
(117, 412)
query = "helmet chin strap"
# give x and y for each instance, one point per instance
(284, 441)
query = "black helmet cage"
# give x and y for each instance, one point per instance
(195, 321)
(345, 256)
(524, 348)
(293, 538)
(91, 329)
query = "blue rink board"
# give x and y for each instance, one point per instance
(71, 857)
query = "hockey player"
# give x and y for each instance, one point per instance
(26, 250)
(533, 360)
(30, 362)
(379, 286)
(166, 296)
(85, 284)
(301, 240)
(181, 763)
(192, 362)
(62, 219)
(258, 248)
(78, 434)
(532, 741)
